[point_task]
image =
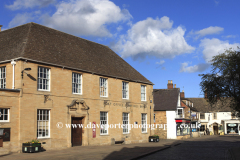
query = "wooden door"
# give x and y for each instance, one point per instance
(76, 131)
(215, 128)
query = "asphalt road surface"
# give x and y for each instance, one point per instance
(204, 148)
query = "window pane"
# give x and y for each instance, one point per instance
(43, 78)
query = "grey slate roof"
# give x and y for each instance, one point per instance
(202, 105)
(165, 99)
(42, 44)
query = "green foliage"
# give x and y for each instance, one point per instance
(156, 136)
(223, 83)
(33, 141)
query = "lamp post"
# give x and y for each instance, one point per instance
(26, 69)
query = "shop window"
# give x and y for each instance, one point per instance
(232, 128)
(183, 129)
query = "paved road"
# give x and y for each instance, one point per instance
(208, 147)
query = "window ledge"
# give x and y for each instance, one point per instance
(3, 122)
(43, 90)
(144, 132)
(77, 94)
(104, 97)
(42, 138)
(104, 135)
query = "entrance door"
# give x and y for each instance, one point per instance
(76, 131)
(215, 128)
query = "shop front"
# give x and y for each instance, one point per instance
(183, 128)
(231, 126)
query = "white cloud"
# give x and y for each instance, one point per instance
(196, 68)
(84, 17)
(213, 47)
(153, 37)
(206, 31)
(230, 36)
(23, 4)
(210, 47)
(20, 19)
(161, 62)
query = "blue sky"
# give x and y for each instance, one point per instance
(163, 39)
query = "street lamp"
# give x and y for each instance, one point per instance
(26, 69)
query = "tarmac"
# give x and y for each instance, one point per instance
(121, 151)
(116, 152)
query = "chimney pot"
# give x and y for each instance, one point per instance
(1, 27)
(169, 85)
(182, 95)
(174, 85)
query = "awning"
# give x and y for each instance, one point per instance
(183, 121)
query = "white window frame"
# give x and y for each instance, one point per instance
(144, 122)
(103, 85)
(43, 121)
(46, 79)
(3, 115)
(125, 123)
(125, 88)
(104, 124)
(77, 83)
(3, 77)
(181, 114)
(143, 93)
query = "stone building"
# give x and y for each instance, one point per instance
(50, 80)
(172, 117)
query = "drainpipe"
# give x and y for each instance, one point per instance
(13, 80)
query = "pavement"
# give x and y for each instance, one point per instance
(206, 147)
(116, 152)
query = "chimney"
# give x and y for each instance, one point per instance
(205, 94)
(0, 28)
(175, 86)
(170, 84)
(182, 95)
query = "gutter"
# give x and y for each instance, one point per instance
(52, 64)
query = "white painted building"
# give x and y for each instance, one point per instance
(216, 119)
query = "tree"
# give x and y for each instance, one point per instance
(223, 83)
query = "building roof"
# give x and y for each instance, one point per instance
(201, 105)
(34, 42)
(183, 100)
(165, 99)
